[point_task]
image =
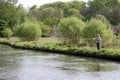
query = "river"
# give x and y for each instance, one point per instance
(17, 64)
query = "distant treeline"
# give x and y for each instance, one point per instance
(48, 16)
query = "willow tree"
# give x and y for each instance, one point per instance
(96, 26)
(28, 31)
(7, 33)
(70, 30)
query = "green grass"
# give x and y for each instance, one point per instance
(52, 45)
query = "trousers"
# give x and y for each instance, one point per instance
(98, 45)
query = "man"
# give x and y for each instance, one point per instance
(98, 41)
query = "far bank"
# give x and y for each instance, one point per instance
(52, 46)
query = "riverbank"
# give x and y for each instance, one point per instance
(111, 54)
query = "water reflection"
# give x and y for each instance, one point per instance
(16, 64)
(84, 65)
(5, 48)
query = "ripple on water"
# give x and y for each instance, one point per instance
(30, 65)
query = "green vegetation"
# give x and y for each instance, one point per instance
(46, 30)
(70, 30)
(11, 14)
(28, 31)
(49, 44)
(96, 26)
(74, 23)
(7, 33)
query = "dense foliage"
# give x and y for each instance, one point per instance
(28, 31)
(71, 21)
(7, 33)
(46, 30)
(105, 13)
(96, 26)
(10, 14)
(103, 7)
(108, 8)
(70, 30)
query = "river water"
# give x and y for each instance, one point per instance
(17, 64)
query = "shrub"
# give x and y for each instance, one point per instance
(96, 26)
(7, 33)
(46, 30)
(28, 31)
(70, 30)
(103, 19)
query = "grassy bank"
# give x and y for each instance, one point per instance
(51, 45)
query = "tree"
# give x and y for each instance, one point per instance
(10, 13)
(7, 13)
(103, 19)
(70, 30)
(3, 25)
(65, 6)
(21, 14)
(96, 26)
(46, 30)
(7, 33)
(10, 1)
(51, 16)
(73, 12)
(97, 5)
(48, 12)
(28, 31)
(103, 7)
(33, 8)
(114, 15)
(77, 4)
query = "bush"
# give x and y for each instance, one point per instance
(103, 19)
(70, 30)
(46, 30)
(28, 31)
(96, 26)
(7, 33)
